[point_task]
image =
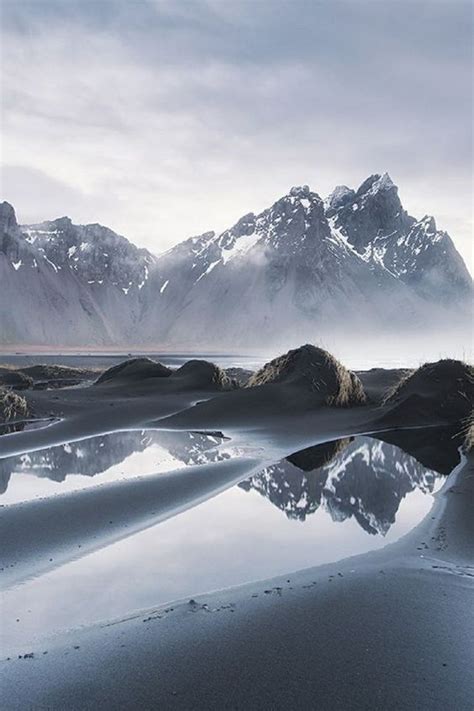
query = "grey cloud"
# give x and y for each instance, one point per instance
(229, 103)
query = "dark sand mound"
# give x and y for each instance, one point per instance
(199, 374)
(55, 372)
(316, 370)
(134, 369)
(15, 379)
(444, 389)
(12, 407)
(319, 455)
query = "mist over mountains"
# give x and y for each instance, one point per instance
(304, 268)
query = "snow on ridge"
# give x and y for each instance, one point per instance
(145, 277)
(240, 247)
(338, 237)
(55, 267)
(208, 270)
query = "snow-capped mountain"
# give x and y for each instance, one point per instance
(302, 268)
(308, 266)
(94, 253)
(63, 284)
(374, 223)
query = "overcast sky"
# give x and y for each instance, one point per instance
(165, 119)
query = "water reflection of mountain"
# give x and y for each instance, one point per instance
(363, 478)
(94, 456)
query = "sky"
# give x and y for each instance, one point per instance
(165, 119)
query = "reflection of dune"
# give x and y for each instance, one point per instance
(314, 457)
(365, 479)
(436, 449)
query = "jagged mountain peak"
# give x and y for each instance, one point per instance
(63, 221)
(339, 196)
(373, 211)
(376, 183)
(300, 191)
(429, 224)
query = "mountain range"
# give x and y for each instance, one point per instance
(301, 269)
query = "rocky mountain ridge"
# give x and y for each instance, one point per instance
(303, 267)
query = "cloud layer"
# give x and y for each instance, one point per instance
(166, 119)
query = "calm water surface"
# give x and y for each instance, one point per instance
(175, 360)
(322, 505)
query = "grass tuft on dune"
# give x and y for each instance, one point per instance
(445, 387)
(316, 370)
(12, 407)
(467, 433)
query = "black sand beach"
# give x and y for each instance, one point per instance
(389, 629)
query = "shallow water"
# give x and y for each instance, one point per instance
(103, 361)
(175, 360)
(330, 502)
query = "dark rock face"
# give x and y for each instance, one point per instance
(8, 221)
(13, 247)
(374, 210)
(374, 222)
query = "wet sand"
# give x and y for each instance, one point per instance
(387, 630)
(391, 629)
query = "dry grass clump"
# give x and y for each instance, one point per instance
(12, 407)
(317, 371)
(467, 434)
(202, 374)
(447, 385)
